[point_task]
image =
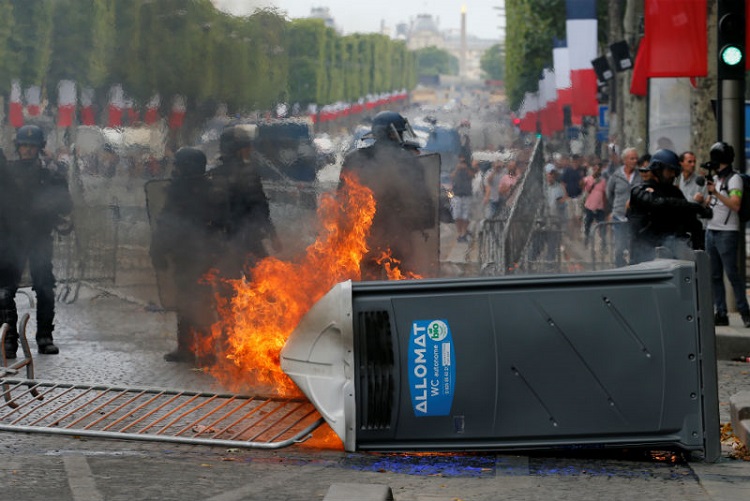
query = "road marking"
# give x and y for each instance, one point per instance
(80, 479)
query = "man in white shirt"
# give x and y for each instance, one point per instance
(723, 233)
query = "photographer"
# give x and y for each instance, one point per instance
(723, 232)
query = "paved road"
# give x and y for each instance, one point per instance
(107, 340)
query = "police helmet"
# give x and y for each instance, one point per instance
(721, 153)
(664, 159)
(236, 137)
(392, 126)
(30, 135)
(190, 162)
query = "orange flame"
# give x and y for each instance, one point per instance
(391, 266)
(266, 307)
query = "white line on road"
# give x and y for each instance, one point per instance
(80, 479)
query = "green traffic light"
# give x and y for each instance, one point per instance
(731, 55)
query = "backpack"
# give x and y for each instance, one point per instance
(744, 212)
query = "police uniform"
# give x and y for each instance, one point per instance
(245, 215)
(35, 200)
(403, 203)
(660, 216)
(186, 238)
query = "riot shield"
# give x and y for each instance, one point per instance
(156, 196)
(426, 243)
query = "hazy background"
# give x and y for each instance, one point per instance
(482, 19)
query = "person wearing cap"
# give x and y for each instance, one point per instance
(659, 215)
(245, 214)
(184, 245)
(35, 202)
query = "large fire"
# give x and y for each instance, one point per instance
(266, 307)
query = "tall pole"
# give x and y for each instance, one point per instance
(462, 70)
(731, 91)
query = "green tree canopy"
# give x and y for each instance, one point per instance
(493, 62)
(432, 61)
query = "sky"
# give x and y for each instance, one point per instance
(482, 19)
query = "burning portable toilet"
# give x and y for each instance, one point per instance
(615, 358)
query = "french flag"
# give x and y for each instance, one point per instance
(561, 63)
(581, 28)
(116, 104)
(66, 102)
(88, 116)
(551, 118)
(15, 110)
(152, 110)
(177, 115)
(33, 97)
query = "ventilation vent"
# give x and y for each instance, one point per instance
(376, 381)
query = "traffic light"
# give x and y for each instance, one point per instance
(731, 40)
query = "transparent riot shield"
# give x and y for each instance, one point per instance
(426, 243)
(156, 196)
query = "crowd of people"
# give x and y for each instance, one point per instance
(630, 205)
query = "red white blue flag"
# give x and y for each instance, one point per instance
(581, 29)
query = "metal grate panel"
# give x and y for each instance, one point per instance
(153, 414)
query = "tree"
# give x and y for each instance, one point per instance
(432, 61)
(82, 45)
(29, 44)
(306, 49)
(493, 62)
(531, 27)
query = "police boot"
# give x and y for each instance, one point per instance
(11, 344)
(8, 315)
(45, 345)
(184, 352)
(180, 355)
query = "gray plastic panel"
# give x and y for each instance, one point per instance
(618, 357)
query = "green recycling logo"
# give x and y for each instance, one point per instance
(437, 330)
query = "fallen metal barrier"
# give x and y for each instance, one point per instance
(13, 369)
(153, 414)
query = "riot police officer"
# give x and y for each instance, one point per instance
(245, 216)
(659, 214)
(35, 201)
(390, 169)
(186, 240)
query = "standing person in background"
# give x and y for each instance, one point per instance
(644, 161)
(595, 205)
(492, 201)
(508, 181)
(690, 183)
(723, 233)
(693, 187)
(462, 178)
(572, 177)
(35, 202)
(619, 186)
